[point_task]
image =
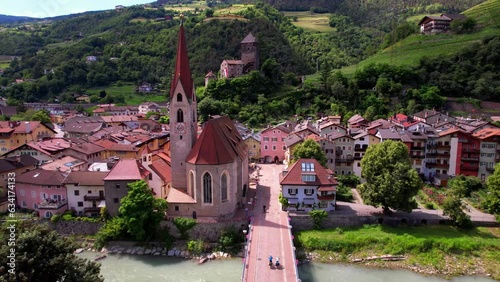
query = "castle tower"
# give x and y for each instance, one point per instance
(250, 53)
(183, 117)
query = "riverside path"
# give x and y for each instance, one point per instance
(269, 233)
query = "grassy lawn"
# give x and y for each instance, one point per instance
(187, 7)
(235, 8)
(128, 91)
(442, 249)
(311, 21)
(4, 65)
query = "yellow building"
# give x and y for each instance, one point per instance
(253, 144)
(16, 133)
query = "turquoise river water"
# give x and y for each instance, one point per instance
(128, 268)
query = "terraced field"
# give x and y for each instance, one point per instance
(311, 21)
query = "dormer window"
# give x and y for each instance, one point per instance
(308, 167)
(308, 177)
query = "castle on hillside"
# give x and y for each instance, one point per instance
(249, 59)
(209, 171)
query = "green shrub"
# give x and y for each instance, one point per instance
(184, 224)
(112, 230)
(195, 246)
(55, 218)
(318, 216)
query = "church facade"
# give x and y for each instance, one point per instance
(209, 171)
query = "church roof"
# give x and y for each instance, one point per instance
(249, 39)
(182, 72)
(219, 143)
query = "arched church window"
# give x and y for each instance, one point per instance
(223, 187)
(179, 97)
(207, 188)
(191, 184)
(180, 116)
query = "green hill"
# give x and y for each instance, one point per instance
(410, 50)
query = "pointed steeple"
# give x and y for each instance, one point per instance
(182, 73)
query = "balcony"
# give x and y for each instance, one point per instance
(50, 204)
(443, 155)
(468, 167)
(93, 198)
(330, 197)
(442, 165)
(432, 146)
(344, 160)
(360, 149)
(443, 147)
(430, 155)
(430, 165)
(417, 156)
(417, 148)
(92, 209)
(470, 159)
(470, 150)
(490, 168)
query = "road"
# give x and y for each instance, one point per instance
(270, 233)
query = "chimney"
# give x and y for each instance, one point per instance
(27, 125)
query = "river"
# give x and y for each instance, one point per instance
(128, 268)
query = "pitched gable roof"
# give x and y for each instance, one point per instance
(324, 176)
(41, 177)
(127, 169)
(182, 73)
(249, 39)
(219, 143)
(89, 178)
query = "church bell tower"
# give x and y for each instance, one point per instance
(183, 117)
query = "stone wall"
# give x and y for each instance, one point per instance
(69, 227)
(208, 232)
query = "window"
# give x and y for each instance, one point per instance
(80, 204)
(223, 187)
(284, 148)
(89, 192)
(266, 139)
(309, 192)
(33, 194)
(77, 192)
(308, 177)
(150, 177)
(292, 191)
(265, 147)
(115, 200)
(176, 208)
(179, 97)
(117, 186)
(307, 166)
(274, 139)
(274, 148)
(207, 188)
(180, 116)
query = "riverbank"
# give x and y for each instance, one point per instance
(432, 250)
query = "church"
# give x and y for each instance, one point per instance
(209, 171)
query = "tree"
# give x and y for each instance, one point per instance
(41, 116)
(309, 149)
(141, 211)
(453, 208)
(492, 203)
(463, 185)
(391, 182)
(44, 255)
(318, 216)
(184, 224)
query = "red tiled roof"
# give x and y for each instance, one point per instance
(41, 177)
(178, 196)
(182, 72)
(127, 169)
(219, 143)
(324, 177)
(112, 146)
(487, 133)
(162, 168)
(89, 178)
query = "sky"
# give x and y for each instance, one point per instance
(52, 8)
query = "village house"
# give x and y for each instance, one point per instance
(361, 143)
(436, 24)
(147, 107)
(291, 142)
(344, 152)
(272, 142)
(15, 133)
(83, 98)
(145, 88)
(85, 191)
(327, 146)
(113, 110)
(489, 151)
(91, 59)
(42, 191)
(17, 165)
(210, 76)
(253, 144)
(124, 172)
(65, 165)
(307, 185)
(160, 178)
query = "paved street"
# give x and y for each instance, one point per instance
(270, 233)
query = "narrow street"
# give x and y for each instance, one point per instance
(270, 233)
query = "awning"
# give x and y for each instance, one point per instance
(102, 204)
(326, 188)
(293, 201)
(309, 201)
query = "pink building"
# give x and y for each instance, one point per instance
(42, 191)
(272, 142)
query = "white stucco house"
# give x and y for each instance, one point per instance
(307, 185)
